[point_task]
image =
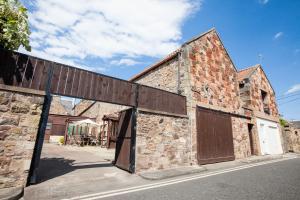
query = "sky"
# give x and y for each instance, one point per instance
(121, 37)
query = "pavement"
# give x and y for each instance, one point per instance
(67, 172)
(11, 193)
(274, 179)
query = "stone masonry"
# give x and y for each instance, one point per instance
(19, 121)
(204, 73)
(252, 81)
(291, 134)
(162, 141)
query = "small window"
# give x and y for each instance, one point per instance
(242, 85)
(296, 133)
(264, 96)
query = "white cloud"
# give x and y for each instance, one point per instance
(107, 29)
(278, 35)
(125, 61)
(263, 1)
(293, 89)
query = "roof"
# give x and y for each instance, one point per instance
(246, 73)
(112, 116)
(171, 56)
(295, 124)
(68, 105)
(157, 64)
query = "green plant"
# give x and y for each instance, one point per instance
(283, 122)
(14, 28)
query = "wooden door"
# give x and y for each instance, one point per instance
(125, 144)
(214, 136)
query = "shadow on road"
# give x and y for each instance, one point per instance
(54, 167)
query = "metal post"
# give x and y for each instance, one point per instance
(32, 176)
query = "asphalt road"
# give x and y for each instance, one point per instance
(280, 180)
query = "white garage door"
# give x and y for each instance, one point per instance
(269, 138)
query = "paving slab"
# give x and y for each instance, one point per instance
(12, 193)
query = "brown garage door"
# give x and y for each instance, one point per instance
(214, 136)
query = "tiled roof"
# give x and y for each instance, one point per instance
(246, 73)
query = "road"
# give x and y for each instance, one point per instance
(276, 180)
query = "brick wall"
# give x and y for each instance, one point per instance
(162, 142)
(19, 120)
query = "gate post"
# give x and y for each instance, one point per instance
(35, 161)
(133, 131)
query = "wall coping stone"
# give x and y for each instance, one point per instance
(22, 90)
(161, 113)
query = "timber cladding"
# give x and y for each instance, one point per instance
(214, 136)
(34, 73)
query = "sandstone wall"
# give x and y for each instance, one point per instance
(260, 82)
(213, 81)
(241, 141)
(162, 142)
(19, 120)
(291, 137)
(164, 77)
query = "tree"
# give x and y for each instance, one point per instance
(14, 28)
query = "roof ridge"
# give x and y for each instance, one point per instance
(169, 56)
(247, 68)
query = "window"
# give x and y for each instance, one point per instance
(264, 98)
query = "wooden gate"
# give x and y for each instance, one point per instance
(214, 136)
(125, 145)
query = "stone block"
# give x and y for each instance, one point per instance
(29, 121)
(20, 108)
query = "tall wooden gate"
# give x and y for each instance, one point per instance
(125, 145)
(214, 136)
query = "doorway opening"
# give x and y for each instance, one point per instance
(85, 141)
(251, 139)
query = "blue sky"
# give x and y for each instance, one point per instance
(121, 38)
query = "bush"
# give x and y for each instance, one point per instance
(14, 28)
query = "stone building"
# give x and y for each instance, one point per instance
(291, 135)
(258, 102)
(93, 109)
(60, 106)
(203, 71)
